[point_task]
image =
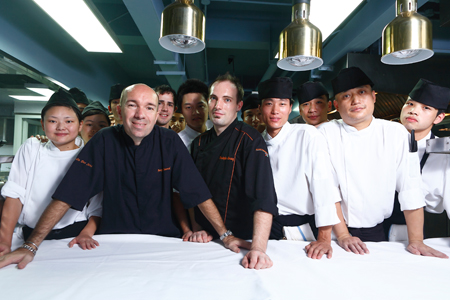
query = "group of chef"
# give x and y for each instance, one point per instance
(243, 183)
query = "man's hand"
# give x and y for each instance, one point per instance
(85, 242)
(201, 236)
(419, 248)
(21, 257)
(256, 259)
(352, 244)
(41, 138)
(4, 248)
(317, 249)
(233, 243)
(187, 235)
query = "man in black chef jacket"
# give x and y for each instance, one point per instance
(136, 165)
(233, 160)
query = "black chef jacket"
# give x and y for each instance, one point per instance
(236, 167)
(137, 181)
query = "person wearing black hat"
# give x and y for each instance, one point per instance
(80, 98)
(426, 107)
(251, 114)
(371, 160)
(143, 163)
(233, 160)
(298, 154)
(94, 118)
(114, 100)
(167, 106)
(314, 103)
(37, 170)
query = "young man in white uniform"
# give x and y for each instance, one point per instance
(424, 108)
(371, 159)
(301, 169)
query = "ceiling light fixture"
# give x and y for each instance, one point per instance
(58, 83)
(182, 28)
(335, 13)
(78, 19)
(301, 41)
(408, 38)
(30, 98)
(39, 89)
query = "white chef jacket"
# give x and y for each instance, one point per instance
(370, 165)
(435, 179)
(187, 135)
(302, 175)
(35, 174)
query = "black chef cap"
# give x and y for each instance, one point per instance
(429, 93)
(96, 105)
(350, 78)
(79, 96)
(252, 101)
(278, 87)
(116, 91)
(61, 98)
(311, 90)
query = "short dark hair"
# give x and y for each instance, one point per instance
(47, 107)
(165, 89)
(93, 112)
(234, 80)
(192, 86)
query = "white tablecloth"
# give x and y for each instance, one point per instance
(152, 267)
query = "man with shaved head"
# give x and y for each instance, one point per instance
(144, 163)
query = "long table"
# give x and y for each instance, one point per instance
(153, 267)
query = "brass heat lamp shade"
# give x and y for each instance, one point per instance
(182, 28)
(300, 42)
(408, 38)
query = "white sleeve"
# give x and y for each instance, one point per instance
(95, 206)
(409, 180)
(21, 168)
(322, 184)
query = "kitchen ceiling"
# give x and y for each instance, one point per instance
(241, 38)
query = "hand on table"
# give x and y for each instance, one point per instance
(256, 259)
(201, 236)
(85, 242)
(419, 248)
(21, 257)
(233, 243)
(4, 248)
(187, 235)
(317, 249)
(353, 244)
